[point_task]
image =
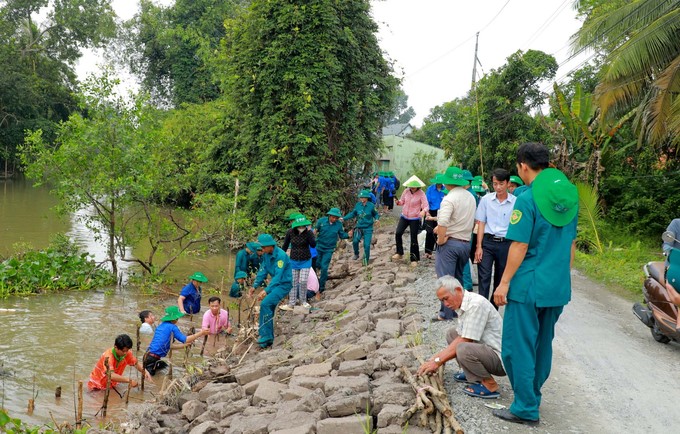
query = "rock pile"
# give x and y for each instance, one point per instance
(334, 369)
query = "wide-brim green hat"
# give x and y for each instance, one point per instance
(478, 178)
(300, 221)
(266, 240)
(516, 180)
(364, 193)
(454, 176)
(240, 275)
(198, 276)
(467, 175)
(172, 313)
(556, 198)
(477, 187)
(334, 212)
(293, 215)
(437, 179)
(414, 181)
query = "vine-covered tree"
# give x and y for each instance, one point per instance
(310, 90)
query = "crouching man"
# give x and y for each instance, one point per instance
(475, 343)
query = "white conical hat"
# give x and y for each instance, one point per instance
(414, 181)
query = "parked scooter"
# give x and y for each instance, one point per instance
(659, 313)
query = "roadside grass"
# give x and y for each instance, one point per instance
(619, 266)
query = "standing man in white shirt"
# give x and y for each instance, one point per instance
(493, 218)
(455, 220)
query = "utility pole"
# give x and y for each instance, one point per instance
(474, 88)
(474, 62)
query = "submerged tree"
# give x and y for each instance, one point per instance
(310, 89)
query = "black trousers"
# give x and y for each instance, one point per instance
(414, 228)
(430, 237)
(494, 257)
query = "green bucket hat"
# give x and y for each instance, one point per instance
(364, 193)
(556, 197)
(172, 313)
(253, 246)
(293, 215)
(454, 176)
(477, 187)
(478, 178)
(437, 179)
(266, 240)
(300, 221)
(199, 277)
(334, 212)
(516, 180)
(467, 175)
(414, 181)
(240, 275)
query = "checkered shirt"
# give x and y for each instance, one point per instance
(479, 321)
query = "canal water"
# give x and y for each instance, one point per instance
(54, 340)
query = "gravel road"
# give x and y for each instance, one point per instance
(608, 376)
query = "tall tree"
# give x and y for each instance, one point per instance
(401, 113)
(40, 42)
(310, 89)
(641, 69)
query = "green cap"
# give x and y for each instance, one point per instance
(172, 313)
(334, 212)
(198, 276)
(240, 275)
(414, 181)
(437, 179)
(556, 198)
(454, 176)
(254, 246)
(516, 180)
(300, 221)
(266, 240)
(467, 175)
(364, 193)
(477, 187)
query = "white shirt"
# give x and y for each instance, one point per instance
(457, 214)
(479, 321)
(146, 329)
(495, 214)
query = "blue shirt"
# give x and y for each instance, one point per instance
(192, 298)
(495, 214)
(675, 228)
(434, 196)
(160, 344)
(277, 265)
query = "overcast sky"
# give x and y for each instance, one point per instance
(432, 42)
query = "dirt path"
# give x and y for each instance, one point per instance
(609, 375)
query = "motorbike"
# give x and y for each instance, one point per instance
(658, 312)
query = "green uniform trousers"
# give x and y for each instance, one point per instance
(528, 332)
(323, 261)
(367, 235)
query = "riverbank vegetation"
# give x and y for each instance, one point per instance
(59, 267)
(251, 108)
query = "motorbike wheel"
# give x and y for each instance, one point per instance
(658, 336)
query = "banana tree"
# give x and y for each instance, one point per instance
(584, 138)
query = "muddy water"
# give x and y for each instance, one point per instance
(54, 340)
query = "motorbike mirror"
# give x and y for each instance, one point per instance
(668, 237)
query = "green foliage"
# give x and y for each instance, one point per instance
(59, 267)
(423, 165)
(401, 112)
(12, 425)
(589, 218)
(39, 45)
(310, 89)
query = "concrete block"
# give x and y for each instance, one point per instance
(391, 327)
(345, 425)
(227, 396)
(341, 404)
(308, 382)
(315, 370)
(246, 374)
(208, 427)
(214, 388)
(192, 409)
(222, 410)
(391, 414)
(251, 387)
(355, 367)
(356, 384)
(268, 391)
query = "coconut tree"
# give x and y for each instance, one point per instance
(640, 41)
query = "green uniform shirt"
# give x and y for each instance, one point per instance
(327, 234)
(365, 215)
(545, 268)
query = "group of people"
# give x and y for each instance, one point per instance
(525, 238)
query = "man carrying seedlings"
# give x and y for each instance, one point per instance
(119, 357)
(162, 340)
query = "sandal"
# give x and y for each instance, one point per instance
(479, 390)
(460, 377)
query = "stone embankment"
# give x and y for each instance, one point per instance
(332, 370)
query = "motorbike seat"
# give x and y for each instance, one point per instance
(657, 270)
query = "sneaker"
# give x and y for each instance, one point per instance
(307, 305)
(286, 307)
(356, 257)
(397, 257)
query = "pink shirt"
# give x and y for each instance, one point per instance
(413, 204)
(216, 324)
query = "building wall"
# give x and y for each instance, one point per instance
(399, 154)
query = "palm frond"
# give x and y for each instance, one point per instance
(589, 216)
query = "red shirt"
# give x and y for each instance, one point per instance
(98, 374)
